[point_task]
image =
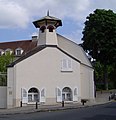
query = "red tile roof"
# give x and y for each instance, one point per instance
(26, 45)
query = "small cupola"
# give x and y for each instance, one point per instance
(47, 29)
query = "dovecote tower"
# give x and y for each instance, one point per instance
(47, 29)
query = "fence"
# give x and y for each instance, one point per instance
(3, 79)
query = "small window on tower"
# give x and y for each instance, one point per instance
(50, 27)
(42, 29)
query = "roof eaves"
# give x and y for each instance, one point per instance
(47, 18)
(68, 54)
(32, 52)
(74, 58)
(39, 48)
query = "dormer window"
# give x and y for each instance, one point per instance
(51, 28)
(1, 52)
(8, 51)
(42, 29)
(18, 51)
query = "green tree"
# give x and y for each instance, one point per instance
(4, 61)
(112, 76)
(99, 38)
(99, 75)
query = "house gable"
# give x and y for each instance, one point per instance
(38, 49)
(54, 65)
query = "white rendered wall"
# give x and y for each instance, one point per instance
(47, 38)
(11, 87)
(87, 82)
(43, 70)
(3, 97)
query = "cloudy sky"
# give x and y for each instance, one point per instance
(16, 16)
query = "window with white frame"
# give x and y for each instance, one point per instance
(66, 65)
(8, 51)
(1, 52)
(18, 51)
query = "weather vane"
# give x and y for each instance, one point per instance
(48, 13)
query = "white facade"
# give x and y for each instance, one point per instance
(59, 71)
(3, 96)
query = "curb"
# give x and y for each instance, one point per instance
(51, 109)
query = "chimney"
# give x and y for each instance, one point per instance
(34, 38)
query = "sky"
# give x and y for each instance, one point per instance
(16, 16)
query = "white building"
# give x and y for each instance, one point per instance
(56, 70)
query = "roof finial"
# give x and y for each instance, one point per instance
(48, 13)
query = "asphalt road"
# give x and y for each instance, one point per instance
(100, 112)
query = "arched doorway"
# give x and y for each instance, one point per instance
(67, 94)
(33, 95)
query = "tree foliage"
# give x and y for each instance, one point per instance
(99, 40)
(99, 75)
(99, 35)
(4, 61)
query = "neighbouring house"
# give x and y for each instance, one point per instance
(48, 69)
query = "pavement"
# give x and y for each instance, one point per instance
(102, 98)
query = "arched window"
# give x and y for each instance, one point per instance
(33, 95)
(67, 94)
(42, 29)
(50, 27)
(18, 51)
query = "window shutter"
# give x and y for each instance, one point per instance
(66, 65)
(24, 95)
(69, 64)
(42, 95)
(75, 94)
(58, 95)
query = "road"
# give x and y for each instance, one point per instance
(100, 112)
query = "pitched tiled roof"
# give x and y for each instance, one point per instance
(26, 45)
